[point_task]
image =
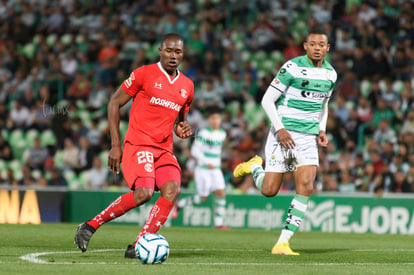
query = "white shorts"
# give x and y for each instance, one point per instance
(304, 153)
(208, 180)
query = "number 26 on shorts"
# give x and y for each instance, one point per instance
(144, 157)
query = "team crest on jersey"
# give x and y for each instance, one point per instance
(158, 85)
(327, 73)
(183, 93)
(148, 167)
(276, 81)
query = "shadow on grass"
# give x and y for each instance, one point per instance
(320, 251)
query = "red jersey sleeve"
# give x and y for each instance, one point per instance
(133, 84)
(186, 107)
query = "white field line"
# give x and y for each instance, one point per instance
(34, 258)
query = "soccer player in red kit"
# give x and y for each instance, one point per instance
(161, 99)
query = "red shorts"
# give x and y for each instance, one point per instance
(146, 166)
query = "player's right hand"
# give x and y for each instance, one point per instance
(114, 159)
(183, 129)
(285, 139)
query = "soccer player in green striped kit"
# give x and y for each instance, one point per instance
(296, 103)
(207, 150)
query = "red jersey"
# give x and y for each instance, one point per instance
(158, 99)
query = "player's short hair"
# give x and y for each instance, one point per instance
(213, 110)
(171, 35)
(317, 30)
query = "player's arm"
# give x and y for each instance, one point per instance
(268, 103)
(323, 138)
(196, 151)
(272, 94)
(119, 99)
(182, 129)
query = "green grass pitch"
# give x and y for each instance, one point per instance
(49, 249)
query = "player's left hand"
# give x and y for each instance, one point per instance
(322, 139)
(183, 129)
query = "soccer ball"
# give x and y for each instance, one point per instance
(152, 249)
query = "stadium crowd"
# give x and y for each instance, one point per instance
(62, 60)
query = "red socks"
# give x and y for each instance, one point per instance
(158, 215)
(121, 205)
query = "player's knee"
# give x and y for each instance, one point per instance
(143, 195)
(170, 190)
(269, 191)
(309, 189)
(305, 189)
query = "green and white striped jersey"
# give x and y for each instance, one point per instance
(305, 88)
(207, 147)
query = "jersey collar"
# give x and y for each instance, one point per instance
(167, 75)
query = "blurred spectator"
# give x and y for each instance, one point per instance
(80, 88)
(361, 64)
(352, 127)
(96, 176)
(405, 101)
(210, 66)
(117, 181)
(61, 127)
(19, 83)
(98, 97)
(401, 183)
(70, 154)
(263, 36)
(78, 128)
(37, 155)
(69, 64)
(5, 121)
(408, 124)
(86, 155)
(6, 152)
(387, 176)
(381, 64)
(209, 95)
(10, 178)
(56, 178)
(384, 133)
(347, 182)
(28, 99)
(108, 59)
(292, 49)
(340, 110)
(366, 13)
(330, 183)
(174, 23)
(401, 64)
(321, 11)
(389, 94)
(376, 186)
(20, 115)
(27, 178)
(382, 112)
(94, 135)
(41, 115)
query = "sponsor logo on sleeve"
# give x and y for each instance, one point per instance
(128, 81)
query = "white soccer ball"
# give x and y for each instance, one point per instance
(152, 249)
